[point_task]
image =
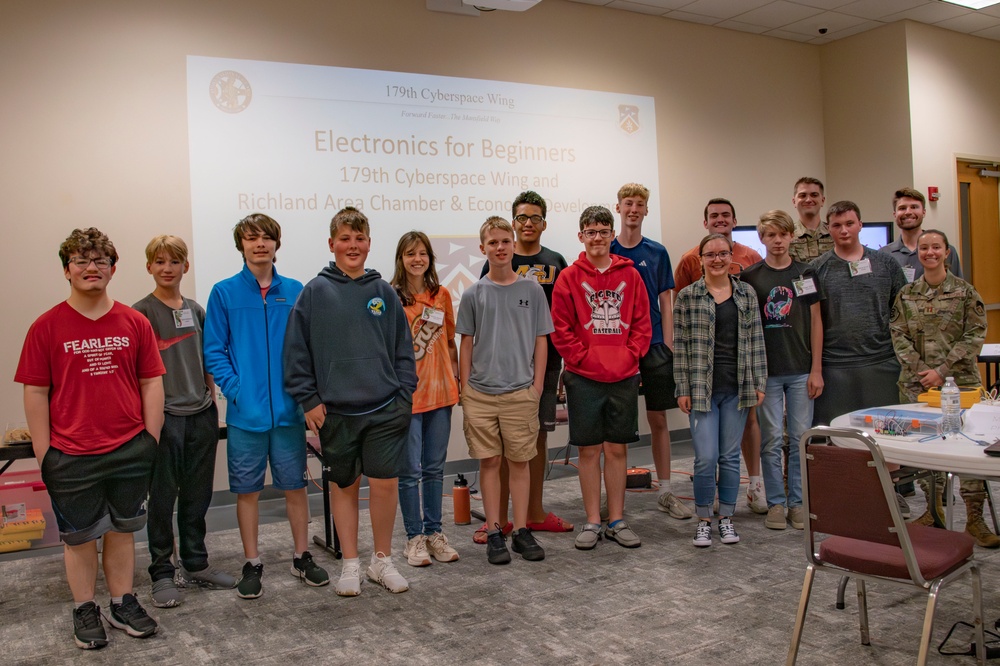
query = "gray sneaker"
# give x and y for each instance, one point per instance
(208, 578)
(775, 517)
(623, 535)
(904, 508)
(669, 504)
(588, 537)
(165, 593)
(796, 516)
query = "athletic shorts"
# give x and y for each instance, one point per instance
(657, 371)
(602, 411)
(371, 444)
(248, 454)
(96, 494)
(547, 402)
(501, 425)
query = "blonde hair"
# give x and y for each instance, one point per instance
(173, 246)
(633, 190)
(775, 219)
(494, 222)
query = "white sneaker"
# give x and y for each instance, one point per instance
(416, 552)
(703, 534)
(383, 572)
(440, 549)
(756, 499)
(349, 584)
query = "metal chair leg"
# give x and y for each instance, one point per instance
(949, 492)
(800, 616)
(925, 635)
(863, 611)
(842, 591)
(977, 608)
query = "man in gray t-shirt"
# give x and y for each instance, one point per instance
(860, 369)
(503, 320)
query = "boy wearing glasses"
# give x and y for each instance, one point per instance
(602, 328)
(93, 400)
(535, 262)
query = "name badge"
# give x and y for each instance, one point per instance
(804, 285)
(433, 315)
(863, 267)
(910, 272)
(183, 318)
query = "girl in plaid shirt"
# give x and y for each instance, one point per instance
(720, 368)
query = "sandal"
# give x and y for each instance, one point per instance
(552, 523)
(480, 534)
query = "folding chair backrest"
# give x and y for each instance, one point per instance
(846, 495)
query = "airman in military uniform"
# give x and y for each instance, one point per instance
(937, 332)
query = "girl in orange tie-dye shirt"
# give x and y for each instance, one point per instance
(431, 316)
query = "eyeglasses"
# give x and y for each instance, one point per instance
(535, 219)
(712, 256)
(591, 234)
(101, 262)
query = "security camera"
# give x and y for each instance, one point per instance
(823, 31)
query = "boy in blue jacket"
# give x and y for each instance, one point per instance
(244, 335)
(349, 364)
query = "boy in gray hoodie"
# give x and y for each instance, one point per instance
(349, 362)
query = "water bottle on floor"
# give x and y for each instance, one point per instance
(951, 408)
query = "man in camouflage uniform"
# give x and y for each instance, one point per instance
(937, 332)
(811, 237)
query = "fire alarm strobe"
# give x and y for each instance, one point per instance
(637, 477)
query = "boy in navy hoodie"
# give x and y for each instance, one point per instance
(601, 315)
(349, 363)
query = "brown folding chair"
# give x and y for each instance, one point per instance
(849, 496)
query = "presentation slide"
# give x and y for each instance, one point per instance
(412, 151)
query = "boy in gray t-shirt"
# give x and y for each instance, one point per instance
(503, 320)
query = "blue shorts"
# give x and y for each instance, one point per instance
(248, 454)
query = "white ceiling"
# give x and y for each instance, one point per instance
(802, 20)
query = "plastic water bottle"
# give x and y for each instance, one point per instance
(951, 408)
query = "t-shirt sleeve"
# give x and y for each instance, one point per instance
(465, 322)
(543, 318)
(34, 367)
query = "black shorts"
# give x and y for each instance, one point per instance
(657, 371)
(547, 401)
(371, 444)
(96, 494)
(602, 411)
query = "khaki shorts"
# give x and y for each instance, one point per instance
(501, 425)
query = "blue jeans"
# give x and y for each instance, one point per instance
(786, 395)
(426, 451)
(716, 436)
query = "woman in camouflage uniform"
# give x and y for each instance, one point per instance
(938, 326)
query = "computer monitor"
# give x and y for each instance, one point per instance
(873, 234)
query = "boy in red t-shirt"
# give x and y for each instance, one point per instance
(600, 311)
(93, 399)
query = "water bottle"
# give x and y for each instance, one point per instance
(951, 408)
(461, 501)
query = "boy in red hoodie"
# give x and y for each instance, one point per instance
(601, 315)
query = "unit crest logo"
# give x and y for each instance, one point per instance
(376, 307)
(230, 91)
(628, 118)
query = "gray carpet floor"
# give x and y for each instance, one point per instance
(666, 602)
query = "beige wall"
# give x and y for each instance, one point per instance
(866, 109)
(954, 83)
(94, 109)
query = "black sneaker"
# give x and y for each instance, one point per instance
(88, 630)
(308, 571)
(523, 542)
(496, 548)
(131, 618)
(250, 586)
